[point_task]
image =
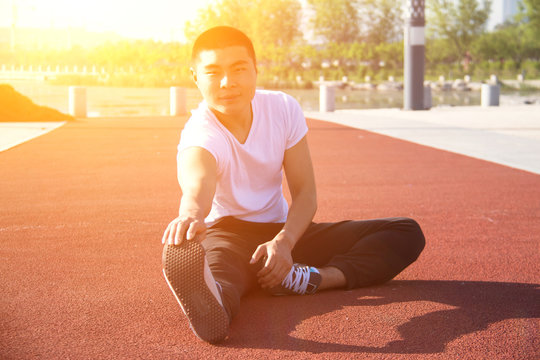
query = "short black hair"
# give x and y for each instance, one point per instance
(220, 37)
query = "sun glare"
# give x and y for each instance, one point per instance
(158, 19)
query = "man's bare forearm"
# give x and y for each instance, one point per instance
(197, 177)
(301, 213)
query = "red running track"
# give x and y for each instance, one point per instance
(83, 209)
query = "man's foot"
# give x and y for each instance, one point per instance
(302, 279)
(189, 277)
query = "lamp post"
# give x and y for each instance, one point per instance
(414, 52)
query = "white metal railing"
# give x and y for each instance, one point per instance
(41, 72)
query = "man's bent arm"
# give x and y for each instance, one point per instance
(301, 181)
(197, 175)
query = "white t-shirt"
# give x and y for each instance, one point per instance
(249, 175)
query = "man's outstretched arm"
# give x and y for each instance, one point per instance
(197, 174)
(301, 180)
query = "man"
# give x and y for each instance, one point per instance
(234, 227)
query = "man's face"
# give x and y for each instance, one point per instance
(226, 79)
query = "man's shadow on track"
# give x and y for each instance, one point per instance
(267, 323)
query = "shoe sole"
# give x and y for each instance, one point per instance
(183, 268)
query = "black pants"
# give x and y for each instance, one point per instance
(368, 252)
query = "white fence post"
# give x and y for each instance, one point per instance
(427, 97)
(327, 101)
(177, 101)
(77, 101)
(490, 95)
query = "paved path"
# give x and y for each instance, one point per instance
(508, 135)
(15, 133)
(83, 209)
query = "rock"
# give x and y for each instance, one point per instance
(441, 86)
(15, 107)
(460, 85)
(390, 86)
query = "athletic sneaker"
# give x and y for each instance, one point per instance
(190, 279)
(302, 279)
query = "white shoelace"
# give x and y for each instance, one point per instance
(300, 282)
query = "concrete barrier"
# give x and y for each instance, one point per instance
(77, 101)
(327, 101)
(490, 95)
(427, 97)
(177, 101)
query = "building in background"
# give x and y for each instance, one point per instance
(501, 11)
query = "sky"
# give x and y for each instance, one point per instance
(157, 19)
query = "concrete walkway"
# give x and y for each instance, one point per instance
(15, 133)
(508, 135)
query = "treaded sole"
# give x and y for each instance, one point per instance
(183, 268)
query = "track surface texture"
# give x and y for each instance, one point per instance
(83, 209)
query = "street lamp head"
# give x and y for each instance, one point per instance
(415, 12)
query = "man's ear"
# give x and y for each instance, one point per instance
(193, 74)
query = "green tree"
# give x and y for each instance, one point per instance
(272, 25)
(438, 53)
(274, 22)
(381, 21)
(219, 12)
(335, 20)
(532, 12)
(459, 23)
(514, 40)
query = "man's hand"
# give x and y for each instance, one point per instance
(184, 228)
(278, 260)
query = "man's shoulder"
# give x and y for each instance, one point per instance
(202, 124)
(202, 112)
(274, 97)
(201, 131)
(201, 117)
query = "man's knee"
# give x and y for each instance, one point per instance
(414, 240)
(406, 244)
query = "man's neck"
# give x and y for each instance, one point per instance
(238, 124)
